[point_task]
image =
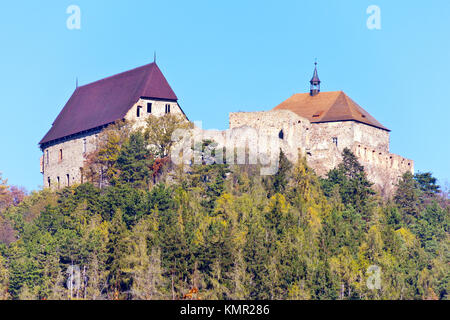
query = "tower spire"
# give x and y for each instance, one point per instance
(315, 82)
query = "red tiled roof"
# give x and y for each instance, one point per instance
(105, 101)
(328, 107)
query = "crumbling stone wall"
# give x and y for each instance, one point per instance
(323, 143)
(292, 129)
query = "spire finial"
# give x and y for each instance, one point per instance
(315, 81)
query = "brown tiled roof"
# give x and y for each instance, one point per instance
(105, 101)
(328, 107)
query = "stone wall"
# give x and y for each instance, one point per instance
(347, 133)
(384, 169)
(323, 144)
(292, 129)
(59, 172)
(158, 109)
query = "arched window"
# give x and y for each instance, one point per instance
(281, 134)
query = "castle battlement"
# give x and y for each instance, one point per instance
(380, 158)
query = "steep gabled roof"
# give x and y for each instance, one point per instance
(328, 107)
(105, 101)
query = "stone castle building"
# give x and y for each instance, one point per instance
(131, 95)
(319, 125)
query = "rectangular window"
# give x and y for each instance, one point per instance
(138, 111)
(167, 108)
(59, 184)
(149, 107)
(68, 179)
(49, 182)
(335, 141)
(60, 155)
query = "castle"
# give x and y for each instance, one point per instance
(319, 125)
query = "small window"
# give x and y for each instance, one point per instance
(317, 114)
(84, 145)
(335, 141)
(281, 134)
(60, 155)
(68, 179)
(138, 111)
(59, 183)
(49, 182)
(167, 108)
(149, 107)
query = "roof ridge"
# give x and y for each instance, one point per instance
(116, 75)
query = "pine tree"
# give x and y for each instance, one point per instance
(133, 161)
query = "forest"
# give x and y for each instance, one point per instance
(140, 227)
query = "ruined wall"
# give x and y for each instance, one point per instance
(293, 128)
(323, 143)
(384, 169)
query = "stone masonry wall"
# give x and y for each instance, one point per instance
(294, 128)
(59, 173)
(323, 144)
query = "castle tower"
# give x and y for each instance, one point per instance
(315, 82)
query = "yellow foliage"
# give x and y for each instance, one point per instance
(406, 236)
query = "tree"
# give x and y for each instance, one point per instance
(144, 263)
(116, 248)
(279, 181)
(133, 161)
(351, 180)
(5, 197)
(100, 166)
(4, 280)
(407, 196)
(427, 183)
(158, 132)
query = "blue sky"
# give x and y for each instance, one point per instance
(225, 56)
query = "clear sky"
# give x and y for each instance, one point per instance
(225, 56)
